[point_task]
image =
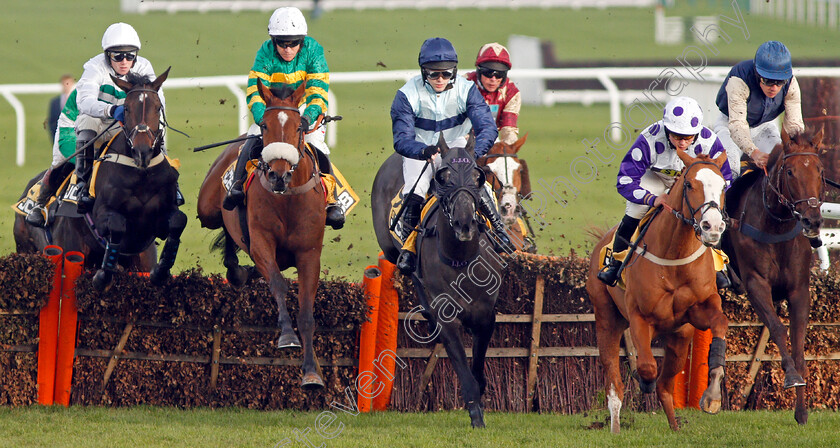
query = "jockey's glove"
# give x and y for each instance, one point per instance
(118, 113)
(430, 151)
(304, 124)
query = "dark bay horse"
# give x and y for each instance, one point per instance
(770, 252)
(135, 188)
(284, 216)
(507, 173)
(458, 275)
(670, 291)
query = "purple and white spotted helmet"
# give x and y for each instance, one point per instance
(683, 116)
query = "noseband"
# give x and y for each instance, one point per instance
(264, 167)
(142, 127)
(702, 208)
(812, 202)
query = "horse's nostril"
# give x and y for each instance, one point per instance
(705, 226)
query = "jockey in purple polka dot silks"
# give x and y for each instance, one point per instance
(753, 95)
(651, 166)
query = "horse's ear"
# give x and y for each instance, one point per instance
(785, 138)
(442, 146)
(720, 159)
(160, 79)
(470, 148)
(525, 178)
(124, 85)
(685, 157)
(518, 145)
(816, 140)
(300, 92)
(265, 92)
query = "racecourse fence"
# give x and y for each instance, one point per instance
(199, 342)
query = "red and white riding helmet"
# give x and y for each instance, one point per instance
(493, 56)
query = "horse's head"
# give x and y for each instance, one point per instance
(281, 134)
(142, 127)
(457, 187)
(702, 187)
(795, 174)
(508, 175)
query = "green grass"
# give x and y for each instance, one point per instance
(39, 46)
(162, 427)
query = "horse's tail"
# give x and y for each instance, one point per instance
(218, 243)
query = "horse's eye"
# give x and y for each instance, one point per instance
(478, 177)
(688, 185)
(790, 172)
(442, 176)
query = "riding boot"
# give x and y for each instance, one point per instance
(335, 214)
(407, 261)
(38, 215)
(722, 280)
(488, 209)
(622, 241)
(84, 168)
(236, 195)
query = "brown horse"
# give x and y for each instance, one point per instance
(284, 219)
(508, 175)
(776, 214)
(670, 291)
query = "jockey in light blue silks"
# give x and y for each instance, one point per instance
(434, 102)
(651, 166)
(752, 96)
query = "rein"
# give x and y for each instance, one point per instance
(812, 202)
(142, 127)
(703, 208)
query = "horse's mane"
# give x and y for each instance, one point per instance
(137, 79)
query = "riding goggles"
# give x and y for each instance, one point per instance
(772, 82)
(119, 56)
(439, 74)
(283, 43)
(490, 73)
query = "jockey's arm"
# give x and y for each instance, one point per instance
(509, 115)
(739, 129)
(87, 90)
(793, 123)
(402, 127)
(482, 121)
(634, 165)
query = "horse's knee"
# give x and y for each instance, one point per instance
(114, 226)
(177, 223)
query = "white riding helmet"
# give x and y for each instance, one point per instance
(287, 21)
(683, 116)
(120, 35)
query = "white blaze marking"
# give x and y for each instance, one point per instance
(713, 185)
(282, 118)
(504, 172)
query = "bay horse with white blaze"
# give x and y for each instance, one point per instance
(281, 223)
(135, 189)
(777, 213)
(670, 291)
(507, 174)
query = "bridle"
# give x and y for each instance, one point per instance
(142, 127)
(506, 185)
(461, 169)
(691, 219)
(264, 167)
(812, 202)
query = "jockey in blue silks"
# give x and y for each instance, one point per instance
(434, 102)
(754, 94)
(651, 166)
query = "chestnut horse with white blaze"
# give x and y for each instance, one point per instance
(670, 291)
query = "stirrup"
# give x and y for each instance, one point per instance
(609, 275)
(407, 262)
(35, 217)
(234, 197)
(335, 216)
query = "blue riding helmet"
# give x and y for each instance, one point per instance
(438, 53)
(772, 61)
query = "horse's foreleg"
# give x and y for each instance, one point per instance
(800, 308)
(309, 267)
(236, 275)
(113, 228)
(451, 338)
(761, 298)
(709, 315)
(176, 223)
(263, 253)
(481, 340)
(645, 364)
(676, 351)
(609, 326)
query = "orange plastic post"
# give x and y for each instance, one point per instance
(73, 267)
(48, 331)
(367, 340)
(386, 334)
(699, 366)
(681, 388)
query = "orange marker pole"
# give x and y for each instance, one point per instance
(386, 334)
(681, 388)
(367, 340)
(48, 331)
(73, 267)
(699, 366)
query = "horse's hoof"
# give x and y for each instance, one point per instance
(477, 416)
(647, 387)
(289, 340)
(708, 405)
(159, 276)
(794, 380)
(102, 280)
(801, 415)
(312, 381)
(237, 276)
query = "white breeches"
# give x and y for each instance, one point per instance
(652, 183)
(765, 136)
